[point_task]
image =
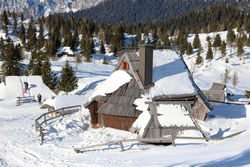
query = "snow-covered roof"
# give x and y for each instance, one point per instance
(112, 83)
(64, 101)
(170, 75)
(65, 50)
(173, 115)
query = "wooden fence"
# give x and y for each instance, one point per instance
(48, 116)
(24, 99)
(170, 139)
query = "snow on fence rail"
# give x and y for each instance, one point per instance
(48, 116)
(170, 139)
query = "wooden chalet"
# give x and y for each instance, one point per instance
(65, 51)
(118, 110)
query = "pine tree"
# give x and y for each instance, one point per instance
(11, 64)
(189, 49)
(102, 48)
(41, 37)
(230, 35)
(68, 81)
(196, 42)
(217, 41)
(235, 79)
(240, 50)
(223, 48)
(47, 74)
(22, 34)
(31, 36)
(78, 59)
(209, 52)
(37, 69)
(105, 61)
(199, 59)
(15, 23)
(166, 41)
(247, 94)
(248, 41)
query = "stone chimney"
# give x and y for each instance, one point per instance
(146, 65)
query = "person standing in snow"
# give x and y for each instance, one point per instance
(39, 97)
(26, 85)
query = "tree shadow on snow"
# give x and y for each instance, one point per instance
(32, 86)
(229, 111)
(220, 133)
(88, 87)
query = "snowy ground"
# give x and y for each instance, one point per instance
(20, 143)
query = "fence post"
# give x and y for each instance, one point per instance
(121, 146)
(44, 117)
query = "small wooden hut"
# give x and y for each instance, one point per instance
(217, 92)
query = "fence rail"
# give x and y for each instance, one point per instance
(48, 116)
(25, 99)
(170, 139)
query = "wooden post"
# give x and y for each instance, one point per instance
(173, 142)
(121, 146)
(44, 117)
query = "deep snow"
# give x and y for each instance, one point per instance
(20, 143)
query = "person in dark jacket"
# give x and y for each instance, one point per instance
(26, 85)
(39, 97)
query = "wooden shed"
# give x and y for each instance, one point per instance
(217, 92)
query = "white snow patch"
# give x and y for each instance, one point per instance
(117, 79)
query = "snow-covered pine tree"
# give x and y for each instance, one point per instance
(48, 77)
(68, 81)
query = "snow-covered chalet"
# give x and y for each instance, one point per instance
(150, 93)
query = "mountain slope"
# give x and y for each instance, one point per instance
(132, 11)
(37, 8)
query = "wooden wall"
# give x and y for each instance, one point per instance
(116, 122)
(93, 108)
(199, 110)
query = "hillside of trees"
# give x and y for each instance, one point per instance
(145, 11)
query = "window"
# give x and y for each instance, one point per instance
(125, 66)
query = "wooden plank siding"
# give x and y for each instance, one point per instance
(116, 122)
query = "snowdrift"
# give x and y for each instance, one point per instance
(15, 84)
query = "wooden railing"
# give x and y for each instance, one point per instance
(48, 116)
(25, 99)
(170, 139)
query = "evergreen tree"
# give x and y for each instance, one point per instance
(22, 34)
(223, 48)
(189, 49)
(247, 94)
(37, 69)
(11, 64)
(196, 42)
(166, 41)
(217, 41)
(47, 74)
(235, 79)
(5, 18)
(102, 48)
(248, 40)
(209, 52)
(15, 23)
(199, 59)
(240, 50)
(31, 36)
(78, 59)
(230, 35)
(41, 37)
(105, 61)
(68, 81)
